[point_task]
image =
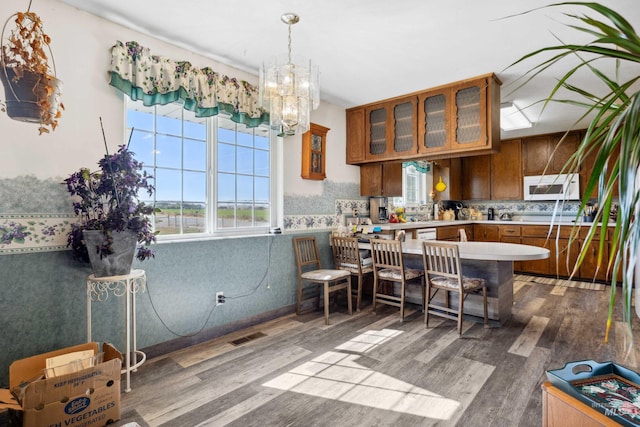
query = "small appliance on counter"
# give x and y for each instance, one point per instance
(490, 214)
(379, 210)
(454, 205)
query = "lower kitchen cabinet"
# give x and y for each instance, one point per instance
(486, 233)
(589, 267)
(541, 266)
(511, 234)
(449, 233)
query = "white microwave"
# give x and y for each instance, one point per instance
(552, 187)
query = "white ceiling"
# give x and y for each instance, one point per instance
(369, 50)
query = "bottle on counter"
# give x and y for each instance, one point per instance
(490, 214)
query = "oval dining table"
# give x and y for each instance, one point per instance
(492, 261)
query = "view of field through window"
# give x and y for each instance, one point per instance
(200, 164)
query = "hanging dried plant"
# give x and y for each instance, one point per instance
(24, 53)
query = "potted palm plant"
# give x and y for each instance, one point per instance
(113, 221)
(612, 138)
(31, 88)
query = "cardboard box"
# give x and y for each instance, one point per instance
(88, 397)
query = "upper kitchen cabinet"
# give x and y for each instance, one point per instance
(390, 129)
(381, 179)
(461, 119)
(476, 178)
(548, 152)
(355, 132)
(506, 171)
(455, 120)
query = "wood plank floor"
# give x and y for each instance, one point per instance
(371, 370)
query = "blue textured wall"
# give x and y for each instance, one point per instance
(43, 298)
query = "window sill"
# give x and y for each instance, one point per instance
(235, 234)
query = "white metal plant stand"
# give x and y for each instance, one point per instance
(99, 289)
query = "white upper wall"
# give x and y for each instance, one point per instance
(81, 46)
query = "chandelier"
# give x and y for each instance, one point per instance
(289, 89)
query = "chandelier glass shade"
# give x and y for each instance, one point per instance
(289, 89)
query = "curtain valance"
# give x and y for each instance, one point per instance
(157, 80)
(420, 165)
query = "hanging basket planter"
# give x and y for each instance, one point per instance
(24, 97)
(31, 88)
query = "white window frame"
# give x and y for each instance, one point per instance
(276, 183)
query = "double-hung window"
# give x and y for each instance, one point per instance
(212, 176)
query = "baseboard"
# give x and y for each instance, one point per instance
(183, 342)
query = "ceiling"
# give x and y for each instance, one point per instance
(369, 50)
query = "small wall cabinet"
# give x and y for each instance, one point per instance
(314, 142)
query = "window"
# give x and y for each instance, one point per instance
(416, 186)
(212, 175)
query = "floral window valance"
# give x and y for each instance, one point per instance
(420, 165)
(158, 80)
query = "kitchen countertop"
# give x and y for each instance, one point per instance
(428, 224)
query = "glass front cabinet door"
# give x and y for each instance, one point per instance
(314, 142)
(391, 129)
(462, 117)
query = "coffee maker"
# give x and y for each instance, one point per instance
(379, 210)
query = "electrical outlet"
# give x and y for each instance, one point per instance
(220, 299)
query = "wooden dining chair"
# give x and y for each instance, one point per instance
(308, 262)
(347, 256)
(442, 266)
(388, 265)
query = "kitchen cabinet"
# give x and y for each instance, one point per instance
(511, 234)
(355, 136)
(460, 119)
(381, 179)
(547, 152)
(506, 171)
(564, 250)
(587, 168)
(486, 233)
(451, 171)
(476, 178)
(452, 232)
(536, 235)
(390, 129)
(454, 120)
(589, 267)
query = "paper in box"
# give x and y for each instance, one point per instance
(88, 397)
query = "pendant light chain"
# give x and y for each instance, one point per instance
(289, 91)
(290, 42)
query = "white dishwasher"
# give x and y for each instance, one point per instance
(426, 234)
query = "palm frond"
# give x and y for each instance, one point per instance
(612, 139)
